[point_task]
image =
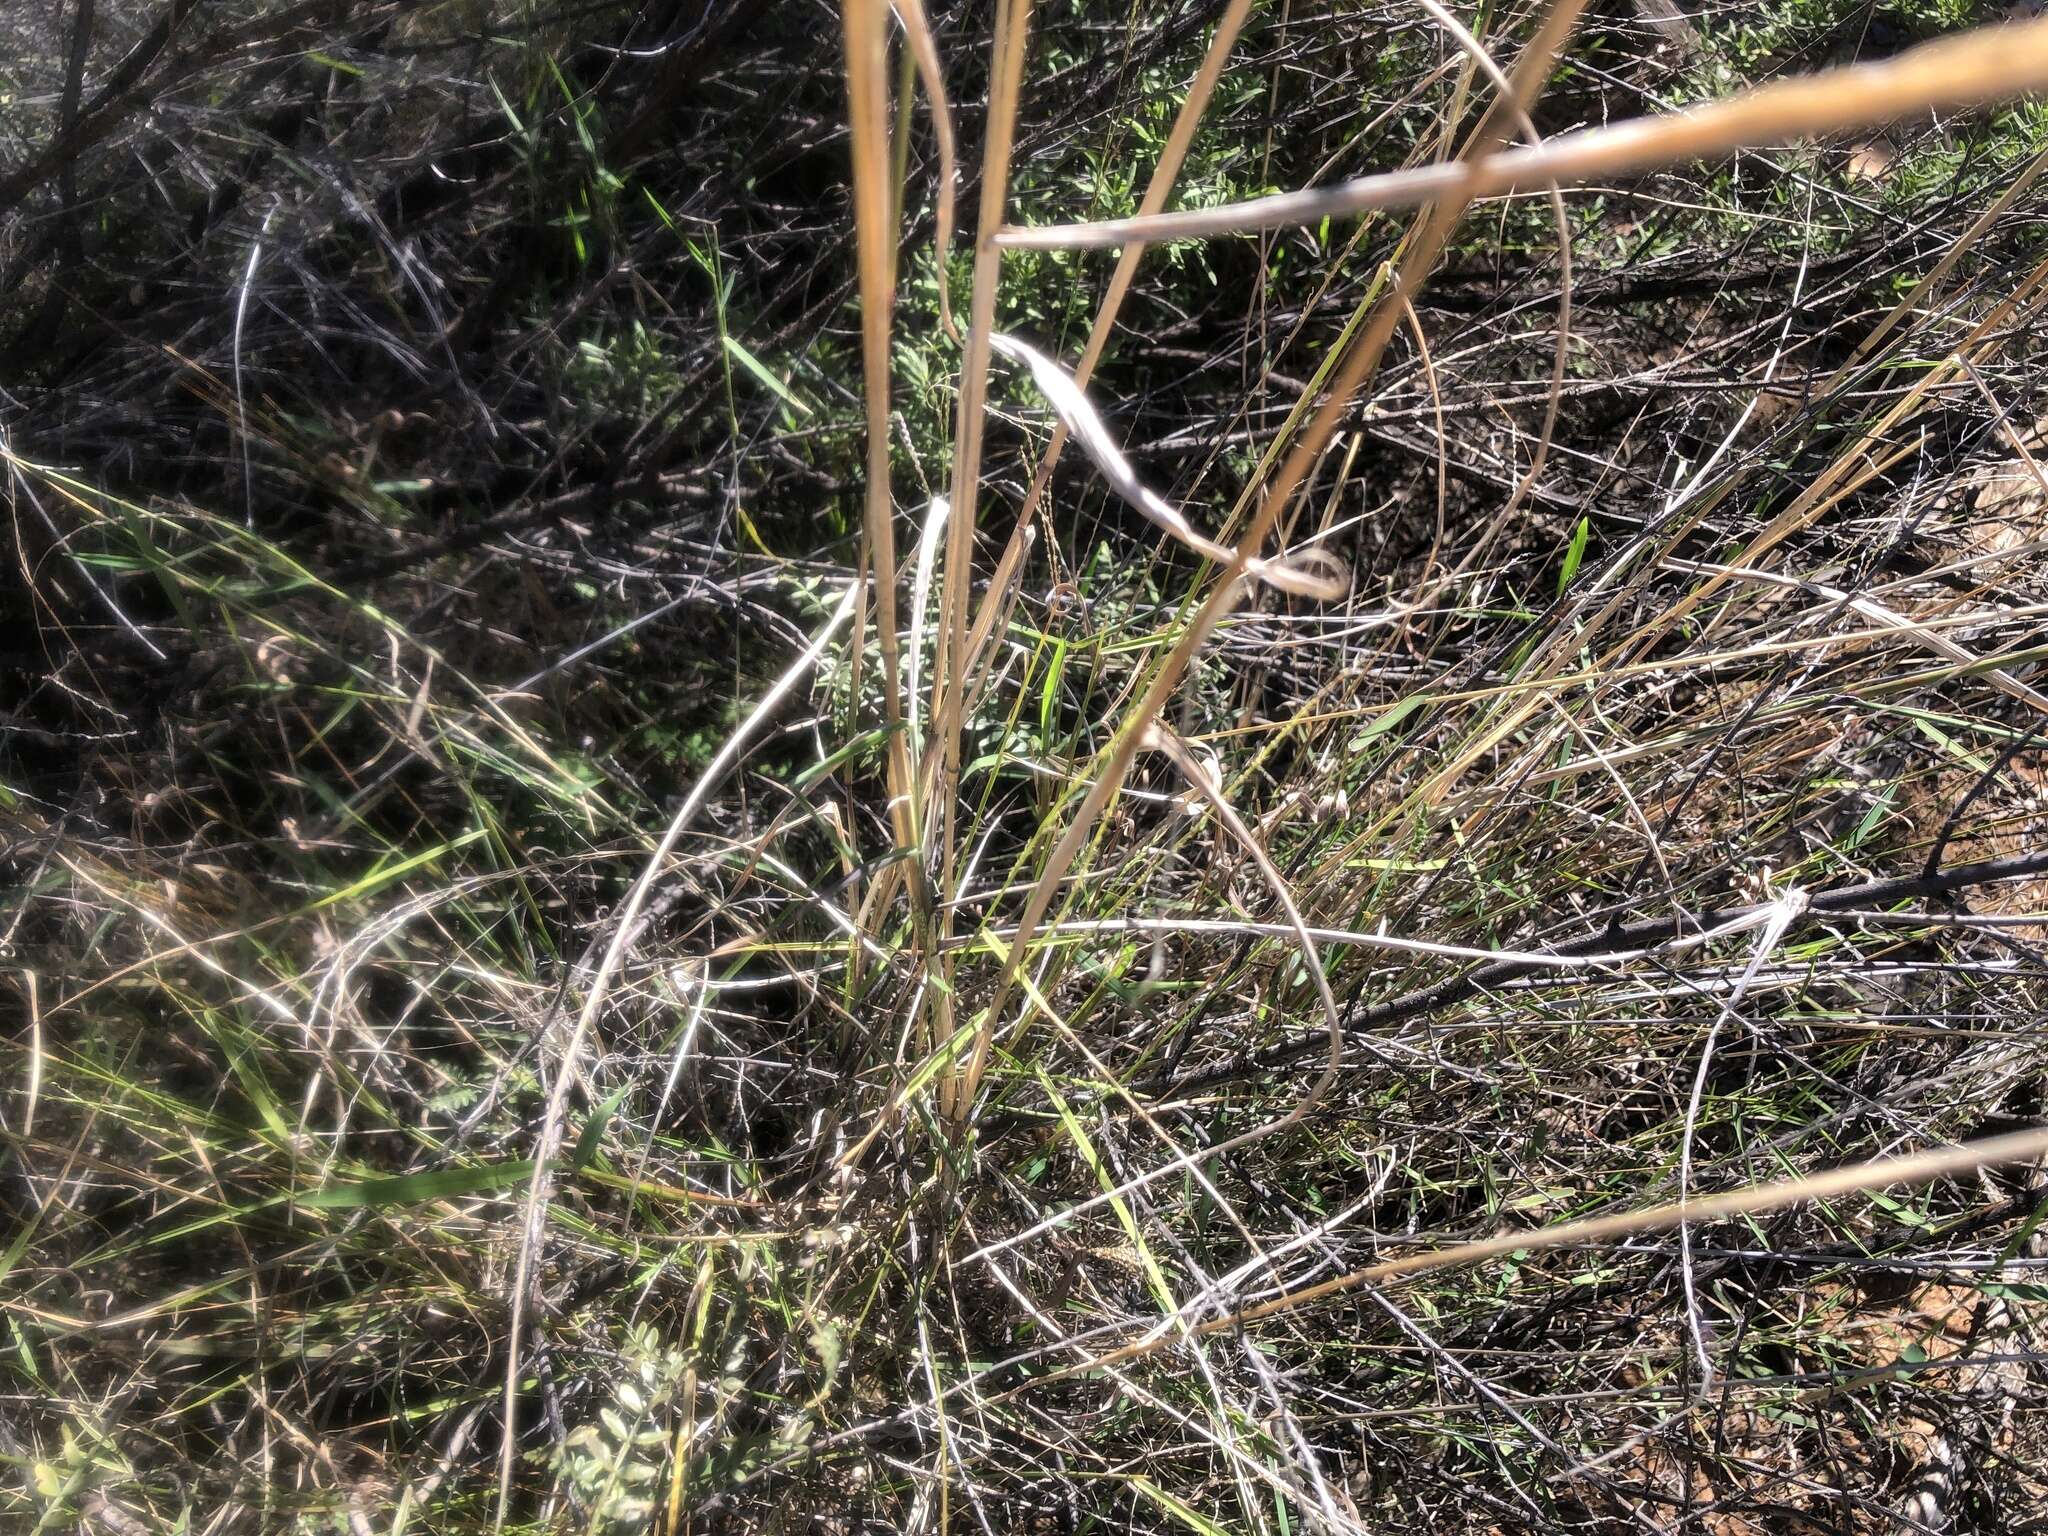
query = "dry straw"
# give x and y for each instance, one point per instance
(1920, 1168)
(1956, 72)
(1420, 253)
(1987, 65)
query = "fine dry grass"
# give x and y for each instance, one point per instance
(1450, 944)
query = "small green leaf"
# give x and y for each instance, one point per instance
(506, 107)
(1574, 553)
(1871, 818)
(593, 1130)
(759, 370)
(342, 66)
(412, 1188)
(1188, 1516)
(1393, 717)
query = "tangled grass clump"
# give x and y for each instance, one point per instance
(633, 905)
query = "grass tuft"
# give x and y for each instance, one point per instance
(631, 905)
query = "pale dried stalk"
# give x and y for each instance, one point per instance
(1079, 418)
(1532, 69)
(1171, 157)
(1871, 608)
(1560, 355)
(920, 594)
(950, 674)
(924, 49)
(1206, 787)
(1972, 69)
(867, 94)
(625, 926)
(1920, 1168)
(1936, 273)
(1857, 464)
(1202, 779)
